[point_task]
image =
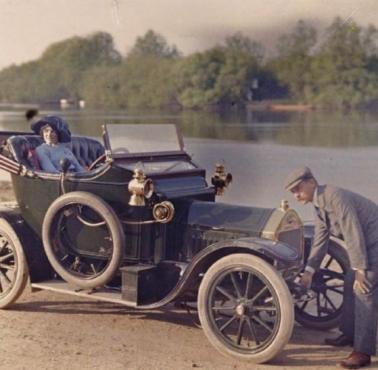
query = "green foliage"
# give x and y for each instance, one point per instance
(143, 79)
(338, 70)
(196, 78)
(239, 43)
(146, 82)
(218, 76)
(101, 87)
(59, 71)
(340, 77)
(153, 45)
(292, 65)
(67, 62)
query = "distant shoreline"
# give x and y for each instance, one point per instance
(271, 106)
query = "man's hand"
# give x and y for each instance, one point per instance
(306, 279)
(361, 283)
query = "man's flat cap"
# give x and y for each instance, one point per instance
(296, 176)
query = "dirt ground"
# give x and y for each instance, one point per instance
(45, 330)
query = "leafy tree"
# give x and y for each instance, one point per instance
(19, 83)
(153, 44)
(196, 77)
(370, 44)
(146, 82)
(59, 71)
(340, 73)
(369, 38)
(219, 76)
(101, 87)
(299, 42)
(67, 61)
(137, 82)
(240, 43)
(292, 66)
(236, 76)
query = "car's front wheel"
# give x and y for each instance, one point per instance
(14, 273)
(245, 308)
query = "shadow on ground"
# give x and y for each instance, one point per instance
(305, 350)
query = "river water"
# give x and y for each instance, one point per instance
(258, 148)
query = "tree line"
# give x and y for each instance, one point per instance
(337, 67)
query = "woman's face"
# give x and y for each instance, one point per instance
(49, 135)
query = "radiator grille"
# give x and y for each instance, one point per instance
(293, 237)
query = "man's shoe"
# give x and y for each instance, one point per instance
(340, 341)
(356, 360)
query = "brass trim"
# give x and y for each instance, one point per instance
(163, 212)
(278, 222)
(220, 179)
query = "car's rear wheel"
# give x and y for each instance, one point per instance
(83, 239)
(13, 266)
(245, 308)
(324, 310)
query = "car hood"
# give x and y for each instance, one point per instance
(229, 217)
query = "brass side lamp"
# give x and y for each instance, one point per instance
(221, 179)
(140, 189)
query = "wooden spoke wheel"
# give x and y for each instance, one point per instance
(13, 267)
(324, 310)
(83, 239)
(245, 308)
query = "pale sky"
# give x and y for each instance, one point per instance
(27, 27)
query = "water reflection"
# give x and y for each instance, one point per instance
(319, 129)
(331, 129)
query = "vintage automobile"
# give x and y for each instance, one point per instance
(141, 228)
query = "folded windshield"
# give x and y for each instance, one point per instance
(165, 166)
(127, 139)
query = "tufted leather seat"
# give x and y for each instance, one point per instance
(85, 149)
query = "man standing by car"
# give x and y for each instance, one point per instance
(353, 218)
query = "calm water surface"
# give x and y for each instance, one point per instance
(259, 148)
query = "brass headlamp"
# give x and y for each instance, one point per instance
(221, 179)
(140, 188)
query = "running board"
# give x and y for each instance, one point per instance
(102, 294)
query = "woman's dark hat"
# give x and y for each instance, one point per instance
(57, 123)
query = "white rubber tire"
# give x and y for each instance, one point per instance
(277, 284)
(20, 276)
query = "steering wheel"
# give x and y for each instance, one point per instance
(98, 160)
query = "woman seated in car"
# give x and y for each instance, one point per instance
(56, 134)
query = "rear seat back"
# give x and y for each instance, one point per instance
(22, 148)
(86, 149)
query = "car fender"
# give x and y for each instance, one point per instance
(267, 249)
(38, 265)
